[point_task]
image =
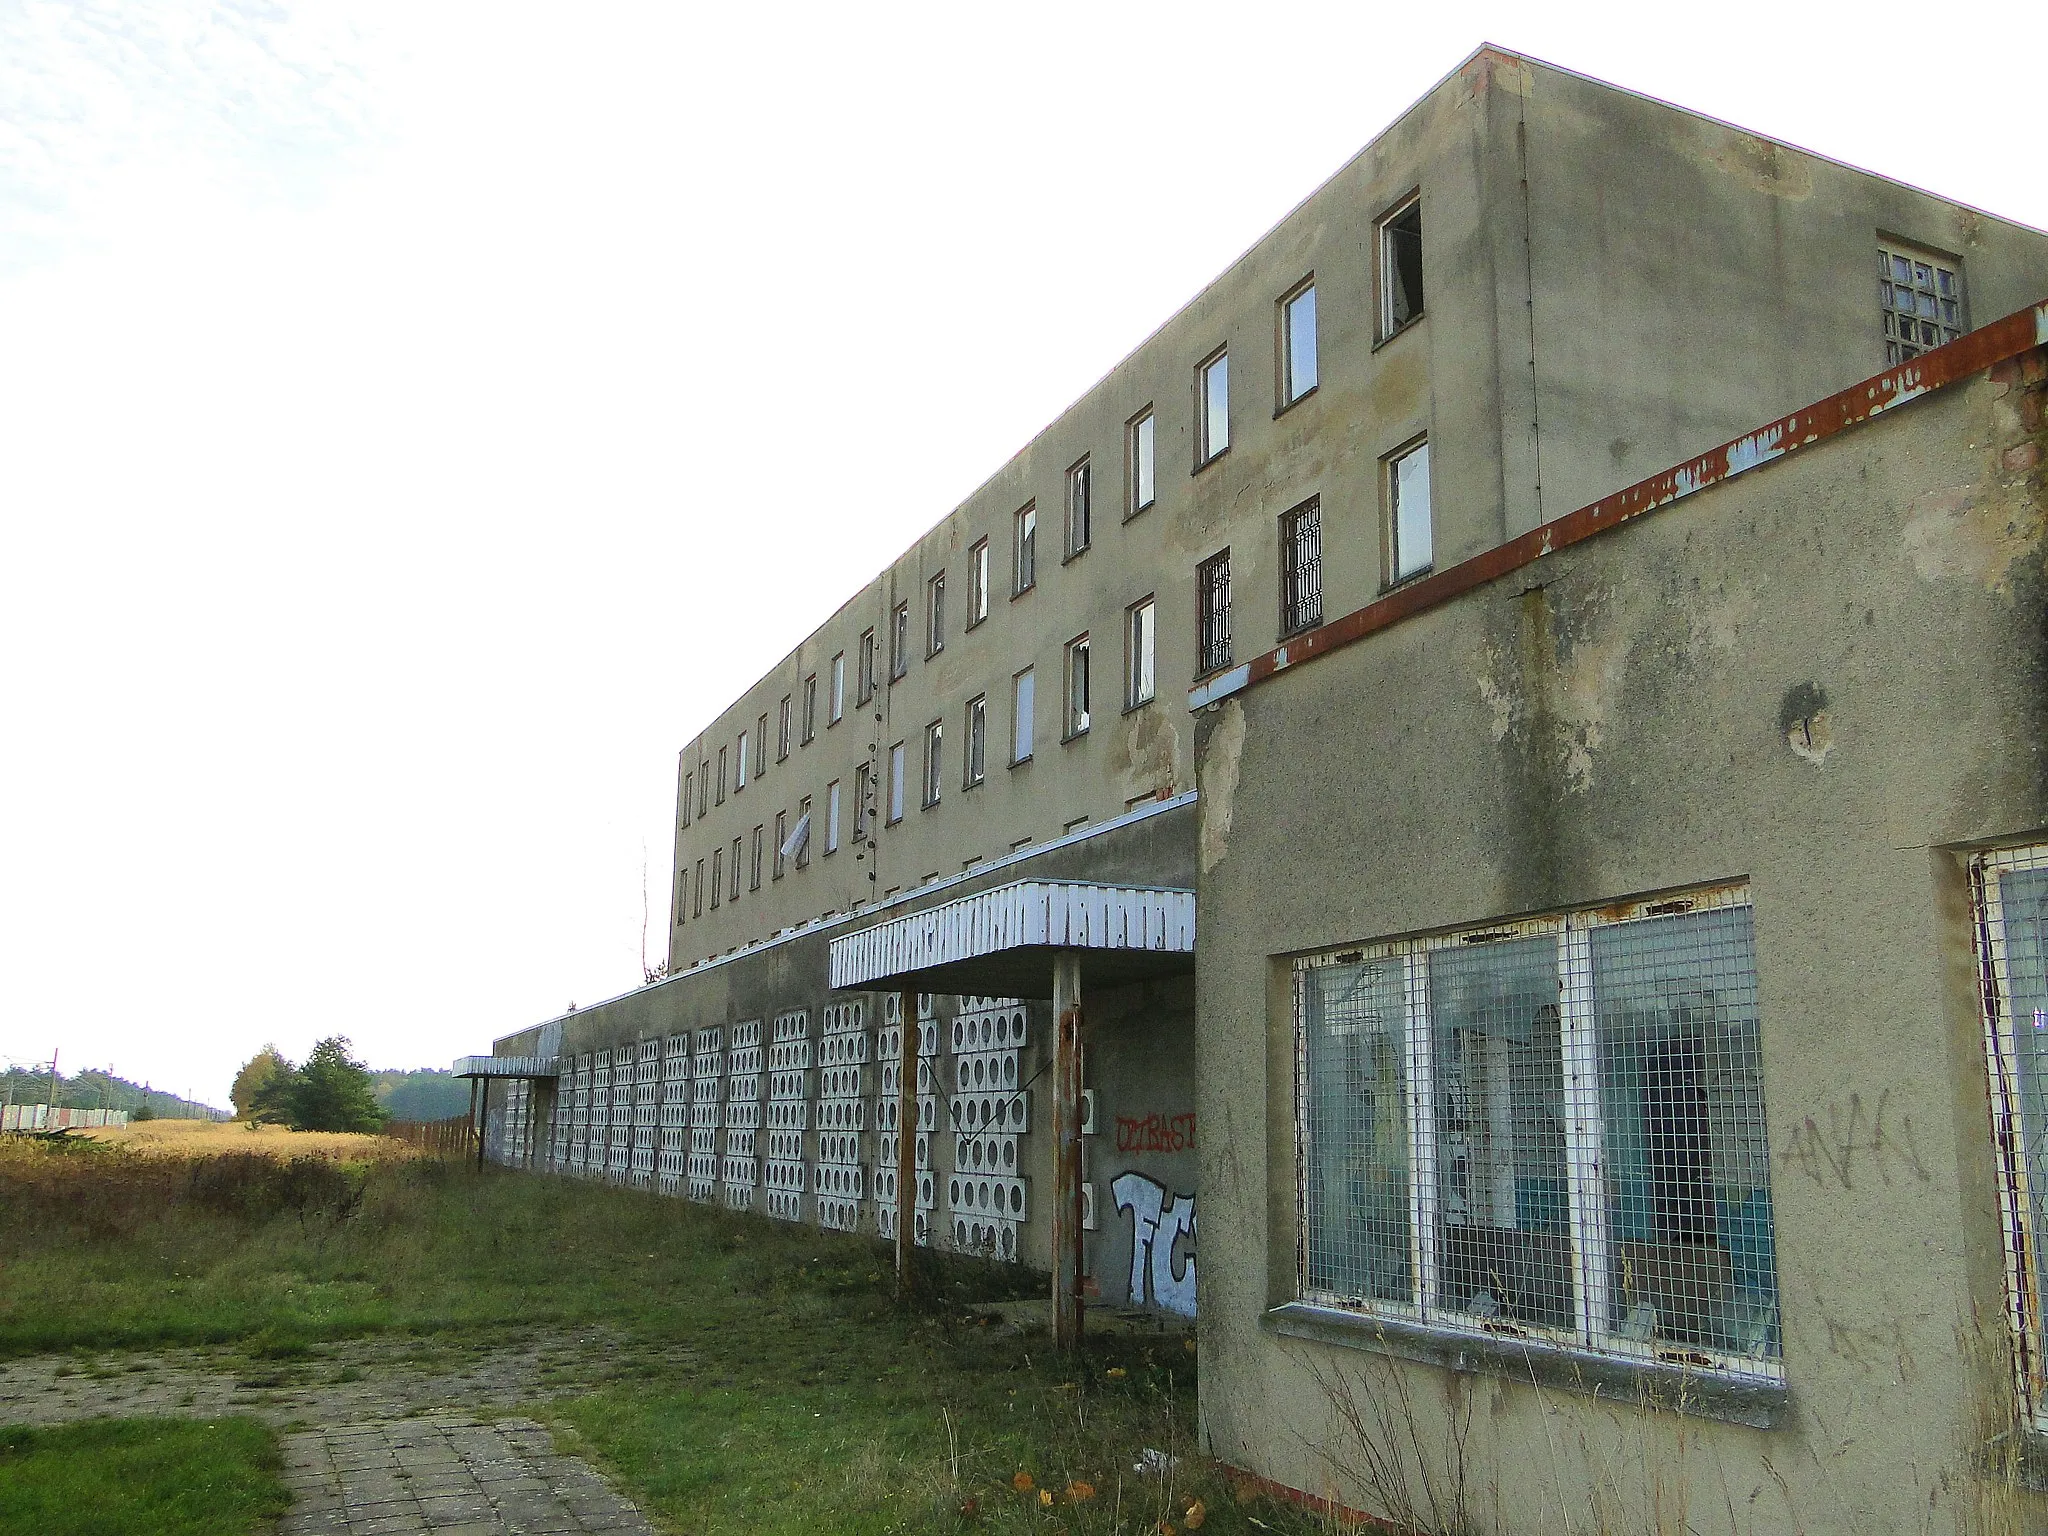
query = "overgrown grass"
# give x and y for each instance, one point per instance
(765, 1376)
(170, 1477)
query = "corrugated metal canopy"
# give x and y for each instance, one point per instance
(506, 1066)
(1001, 942)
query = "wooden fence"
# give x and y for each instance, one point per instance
(453, 1137)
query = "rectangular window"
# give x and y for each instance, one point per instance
(1412, 535)
(1141, 642)
(1301, 567)
(899, 641)
(2009, 890)
(1077, 685)
(781, 840)
(863, 801)
(682, 894)
(803, 832)
(754, 876)
(864, 682)
(697, 901)
(739, 779)
(737, 845)
(832, 817)
(976, 741)
(721, 775)
(1552, 1126)
(1026, 572)
(717, 878)
(1140, 483)
(896, 783)
(1212, 612)
(1023, 704)
(1297, 344)
(934, 745)
(760, 746)
(689, 795)
(1212, 408)
(810, 708)
(838, 700)
(935, 615)
(1401, 267)
(703, 785)
(977, 583)
(1078, 509)
(783, 713)
(1920, 299)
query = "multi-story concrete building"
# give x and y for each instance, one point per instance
(977, 785)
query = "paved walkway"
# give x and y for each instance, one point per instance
(448, 1475)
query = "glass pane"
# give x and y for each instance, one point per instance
(1504, 1248)
(1412, 533)
(1143, 682)
(1360, 1225)
(1301, 344)
(2023, 900)
(1141, 451)
(1686, 1163)
(1026, 703)
(1216, 406)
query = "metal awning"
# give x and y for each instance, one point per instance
(507, 1066)
(1001, 942)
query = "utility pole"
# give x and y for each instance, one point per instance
(53, 1082)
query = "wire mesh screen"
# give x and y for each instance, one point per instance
(1552, 1125)
(1686, 1167)
(1503, 1205)
(1360, 1230)
(2013, 929)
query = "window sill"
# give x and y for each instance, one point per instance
(1074, 554)
(1299, 630)
(1216, 457)
(1133, 708)
(1287, 405)
(975, 783)
(1409, 580)
(1024, 591)
(1073, 736)
(1752, 1400)
(1216, 671)
(1137, 512)
(1019, 762)
(1401, 330)
(974, 624)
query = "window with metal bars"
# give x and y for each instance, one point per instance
(2009, 890)
(1552, 1127)
(1301, 567)
(1920, 297)
(1212, 612)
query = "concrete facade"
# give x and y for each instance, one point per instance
(1824, 683)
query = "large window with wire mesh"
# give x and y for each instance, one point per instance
(2010, 891)
(1919, 300)
(1552, 1128)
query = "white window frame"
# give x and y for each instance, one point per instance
(1401, 564)
(1141, 652)
(1389, 266)
(2017, 1182)
(838, 699)
(739, 778)
(1587, 1218)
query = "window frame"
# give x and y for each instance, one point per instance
(781, 837)
(1284, 353)
(1300, 613)
(863, 790)
(803, 852)
(1215, 649)
(738, 852)
(810, 717)
(1138, 693)
(934, 763)
(1390, 492)
(832, 818)
(1207, 449)
(717, 877)
(837, 701)
(739, 771)
(864, 682)
(1076, 692)
(899, 642)
(1080, 503)
(1023, 714)
(977, 582)
(697, 905)
(1141, 463)
(722, 764)
(689, 795)
(1896, 346)
(782, 723)
(1024, 553)
(1387, 265)
(1589, 1239)
(935, 615)
(898, 761)
(974, 742)
(754, 864)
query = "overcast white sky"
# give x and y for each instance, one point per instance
(417, 419)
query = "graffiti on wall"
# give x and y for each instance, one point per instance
(1155, 1133)
(1158, 1219)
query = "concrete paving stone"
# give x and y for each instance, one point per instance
(313, 1522)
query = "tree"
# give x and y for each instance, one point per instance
(256, 1071)
(331, 1092)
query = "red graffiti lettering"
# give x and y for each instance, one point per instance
(1155, 1133)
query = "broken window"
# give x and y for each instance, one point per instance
(1301, 567)
(1552, 1127)
(2010, 892)
(899, 641)
(1920, 296)
(1212, 612)
(934, 742)
(1077, 685)
(1401, 267)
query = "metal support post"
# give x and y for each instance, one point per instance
(1066, 1151)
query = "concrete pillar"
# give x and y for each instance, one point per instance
(906, 1143)
(1066, 1152)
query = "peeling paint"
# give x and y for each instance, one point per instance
(1951, 536)
(1222, 756)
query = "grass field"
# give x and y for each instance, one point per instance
(169, 1477)
(767, 1377)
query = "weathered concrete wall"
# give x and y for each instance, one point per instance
(1609, 721)
(1140, 1064)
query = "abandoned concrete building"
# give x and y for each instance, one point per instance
(1603, 551)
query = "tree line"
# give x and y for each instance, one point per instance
(329, 1091)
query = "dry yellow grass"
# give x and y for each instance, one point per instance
(201, 1138)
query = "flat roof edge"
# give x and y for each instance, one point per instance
(1927, 374)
